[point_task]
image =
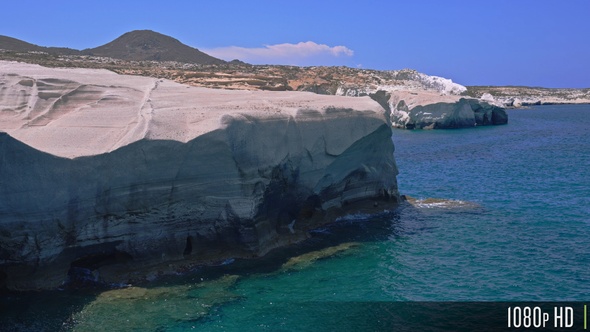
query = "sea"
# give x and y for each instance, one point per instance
(497, 214)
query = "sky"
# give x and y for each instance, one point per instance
(499, 42)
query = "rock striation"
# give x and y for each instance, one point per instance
(121, 175)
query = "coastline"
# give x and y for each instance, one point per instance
(112, 178)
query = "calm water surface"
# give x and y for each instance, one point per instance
(517, 229)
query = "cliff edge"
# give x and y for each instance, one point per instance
(119, 175)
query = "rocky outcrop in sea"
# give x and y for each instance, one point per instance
(420, 111)
(429, 102)
(121, 176)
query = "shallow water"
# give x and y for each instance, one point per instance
(515, 229)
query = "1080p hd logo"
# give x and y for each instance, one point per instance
(537, 317)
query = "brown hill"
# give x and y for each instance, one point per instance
(17, 45)
(142, 45)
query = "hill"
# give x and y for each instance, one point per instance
(17, 45)
(140, 45)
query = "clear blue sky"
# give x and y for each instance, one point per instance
(499, 42)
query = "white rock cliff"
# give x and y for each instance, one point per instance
(420, 101)
(123, 174)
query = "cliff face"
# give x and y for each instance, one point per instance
(119, 175)
(439, 107)
(421, 110)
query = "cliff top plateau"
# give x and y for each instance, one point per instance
(79, 112)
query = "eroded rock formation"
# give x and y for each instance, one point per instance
(429, 102)
(122, 174)
(422, 110)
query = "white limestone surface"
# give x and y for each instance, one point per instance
(82, 112)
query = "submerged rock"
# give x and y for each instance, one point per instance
(136, 308)
(440, 203)
(305, 260)
(124, 175)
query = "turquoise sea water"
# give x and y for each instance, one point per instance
(517, 229)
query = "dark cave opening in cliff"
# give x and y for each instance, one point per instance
(3, 278)
(95, 261)
(83, 271)
(188, 249)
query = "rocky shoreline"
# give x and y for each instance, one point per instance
(122, 175)
(159, 166)
(518, 96)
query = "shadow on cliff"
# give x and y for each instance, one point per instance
(54, 310)
(346, 233)
(160, 200)
(326, 241)
(22, 310)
